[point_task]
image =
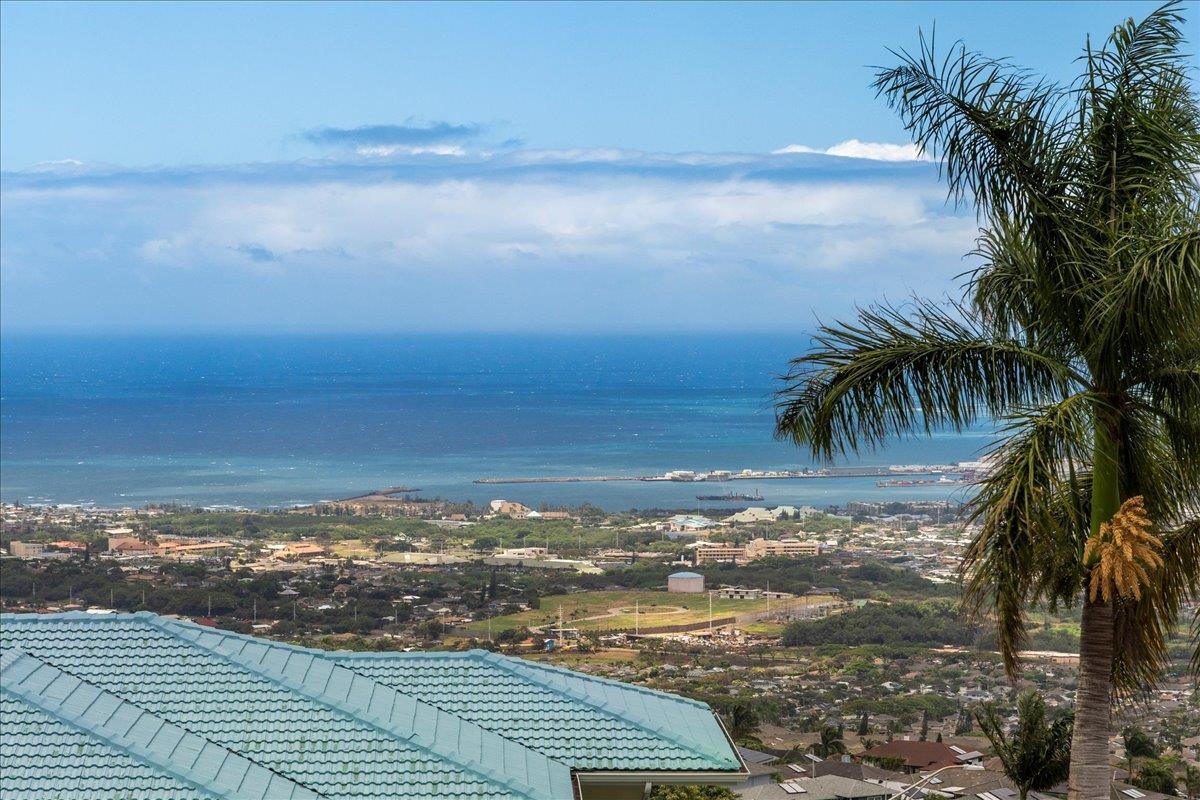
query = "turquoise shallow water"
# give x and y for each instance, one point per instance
(276, 420)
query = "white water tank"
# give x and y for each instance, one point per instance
(685, 582)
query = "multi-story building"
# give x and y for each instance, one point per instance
(721, 552)
(27, 549)
(717, 552)
(760, 548)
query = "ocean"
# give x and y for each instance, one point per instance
(273, 420)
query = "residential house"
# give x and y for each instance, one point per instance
(915, 756)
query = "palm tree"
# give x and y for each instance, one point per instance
(1137, 745)
(1079, 332)
(1156, 777)
(1191, 781)
(743, 721)
(1037, 754)
(830, 743)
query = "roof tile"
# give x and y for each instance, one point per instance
(251, 716)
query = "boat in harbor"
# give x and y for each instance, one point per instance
(730, 497)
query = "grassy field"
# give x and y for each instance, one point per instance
(616, 610)
(352, 548)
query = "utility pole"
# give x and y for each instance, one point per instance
(110, 597)
(293, 611)
(560, 627)
(210, 605)
(710, 612)
(637, 629)
(255, 617)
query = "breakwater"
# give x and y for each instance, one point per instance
(719, 476)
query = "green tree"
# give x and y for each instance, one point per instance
(1138, 744)
(831, 743)
(864, 725)
(1156, 776)
(1037, 753)
(1191, 781)
(692, 793)
(743, 721)
(485, 544)
(891, 763)
(1079, 331)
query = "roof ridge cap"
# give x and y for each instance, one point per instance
(507, 664)
(411, 736)
(111, 738)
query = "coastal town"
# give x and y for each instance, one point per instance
(600, 401)
(801, 620)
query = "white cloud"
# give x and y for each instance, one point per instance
(853, 148)
(647, 223)
(600, 238)
(386, 151)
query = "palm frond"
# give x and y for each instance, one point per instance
(1159, 461)
(1150, 299)
(1142, 122)
(992, 125)
(1032, 287)
(900, 371)
(1037, 754)
(1032, 518)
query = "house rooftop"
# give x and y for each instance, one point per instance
(917, 755)
(140, 705)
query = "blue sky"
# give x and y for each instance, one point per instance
(464, 166)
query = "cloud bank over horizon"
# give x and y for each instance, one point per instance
(391, 233)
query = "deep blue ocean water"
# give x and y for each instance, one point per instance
(276, 420)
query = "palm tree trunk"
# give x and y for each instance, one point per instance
(1089, 777)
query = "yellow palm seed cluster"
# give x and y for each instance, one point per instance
(1124, 554)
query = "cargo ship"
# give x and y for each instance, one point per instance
(732, 498)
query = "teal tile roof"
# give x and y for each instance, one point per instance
(123, 706)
